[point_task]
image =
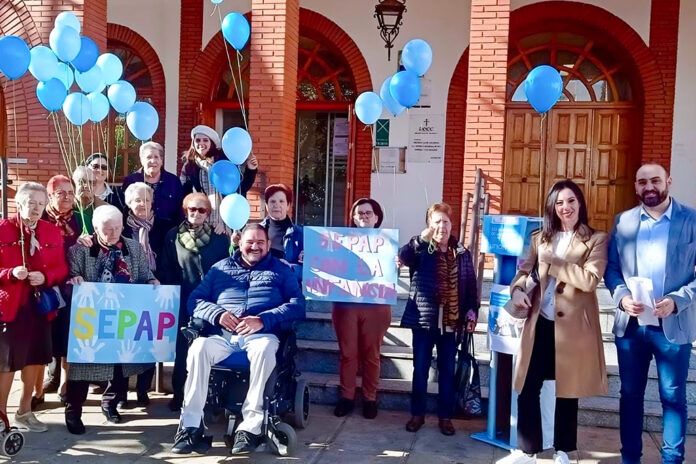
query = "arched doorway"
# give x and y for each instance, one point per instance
(591, 136)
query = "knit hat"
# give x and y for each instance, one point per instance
(208, 132)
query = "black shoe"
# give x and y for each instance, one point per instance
(191, 439)
(245, 442)
(143, 400)
(343, 407)
(369, 409)
(111, 414)
(36, 401)
(75, 425)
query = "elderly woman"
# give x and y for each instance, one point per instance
(143, 226)
(203, 153)
(286, 238)
(442, 300)
(360, 329)
(189, 251)
(111, 258)
(85, 200)
(98, 163)
(31, 260)
(166, 186)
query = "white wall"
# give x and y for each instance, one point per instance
(684, 128)
(157, 21)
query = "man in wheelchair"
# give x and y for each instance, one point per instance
(247, 297)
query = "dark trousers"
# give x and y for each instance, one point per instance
(542, 366)
(423, 343)
(144, 382)
(76, 393)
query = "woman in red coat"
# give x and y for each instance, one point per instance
(31, 259)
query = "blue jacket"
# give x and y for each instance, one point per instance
(293, 244)
(269, 290)
(167, 199)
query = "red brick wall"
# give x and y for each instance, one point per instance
(35, 135)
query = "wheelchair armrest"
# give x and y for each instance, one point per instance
(196, 327)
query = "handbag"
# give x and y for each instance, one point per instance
(530, 286)
(467, 380)
(47, 300)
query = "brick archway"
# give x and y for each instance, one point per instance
(650, 85)
(122, 35)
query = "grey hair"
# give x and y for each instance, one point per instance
(151, 145)
(103, 214)
(133, 189)
(24, 191)
(82, 171)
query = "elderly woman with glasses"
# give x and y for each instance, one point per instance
(98, 163)
(110, 259)
(32, 260)
(85, 200)
(189, 251)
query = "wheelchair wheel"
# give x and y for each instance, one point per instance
(12, 443)
(282, 439)
(300, 415)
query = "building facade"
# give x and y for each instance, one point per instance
(627, 97)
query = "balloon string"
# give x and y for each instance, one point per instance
(61, 141)
(14, 119)
(241, 91)
(542, 139)
(240, 97)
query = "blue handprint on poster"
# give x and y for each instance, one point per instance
(123, 323)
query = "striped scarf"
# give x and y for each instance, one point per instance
(448, 287)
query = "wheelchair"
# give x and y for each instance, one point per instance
(286, 395)
(11, 439)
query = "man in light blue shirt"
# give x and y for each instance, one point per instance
(655, 240)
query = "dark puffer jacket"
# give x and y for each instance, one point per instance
(422, 309)
(269, 290)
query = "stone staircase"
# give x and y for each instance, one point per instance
(319, 357)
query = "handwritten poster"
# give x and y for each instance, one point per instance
(350, 264)
(123, 323)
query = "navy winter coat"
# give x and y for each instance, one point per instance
(269, 290)
(422, 309)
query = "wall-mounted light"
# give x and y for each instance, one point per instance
(389, 14)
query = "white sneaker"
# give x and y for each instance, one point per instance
(29, 422)
(518, 457)
(560, 457)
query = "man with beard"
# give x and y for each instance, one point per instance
(655, 240)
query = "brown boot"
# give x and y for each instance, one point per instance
(415, 423)
(446, 427)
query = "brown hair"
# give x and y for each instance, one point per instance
(438, 208)
(274, 188)
(196, 196)
(375, 207)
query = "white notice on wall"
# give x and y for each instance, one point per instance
(426, 136)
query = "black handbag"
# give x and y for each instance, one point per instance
(467, 380)
(47, 301)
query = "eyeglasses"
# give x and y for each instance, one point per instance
(63, 193)
(100, 167)
(193, 209)
(364, 213)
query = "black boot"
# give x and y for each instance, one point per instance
(73, 419)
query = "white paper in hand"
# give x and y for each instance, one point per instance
(642, 291)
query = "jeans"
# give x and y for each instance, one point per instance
(635, 350)
(423, 343)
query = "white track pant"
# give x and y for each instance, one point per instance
(205, 352)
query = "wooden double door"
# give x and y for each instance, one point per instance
(598, 148)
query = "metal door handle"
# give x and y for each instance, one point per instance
(524, 179)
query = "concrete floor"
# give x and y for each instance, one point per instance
(147, 436)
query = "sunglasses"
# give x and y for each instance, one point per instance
(100, 167)
(193, 209)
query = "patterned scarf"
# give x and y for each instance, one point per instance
(62, 220)
(111, 266)
(141, 229)
(33, 241)
(194, 238)
(209, 189)
(448, 286)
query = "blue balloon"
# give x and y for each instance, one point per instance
(65, 75)
(51, 94)
(405, 87)
(417, 56)
(99, 106)
(543, 87)
(87, 57)
(236, 144)
(236, 30)
(225, 177)
(89, 81)
(121, 96)
(368, 107)
(14, 57)
(216, 2)
(392, 105)
(111, 67)
(235, 211)
(77, 108)
(67, 18)
(44, 64)
(142, 120)
(65, 43)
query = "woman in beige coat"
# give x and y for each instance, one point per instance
(562, 339)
